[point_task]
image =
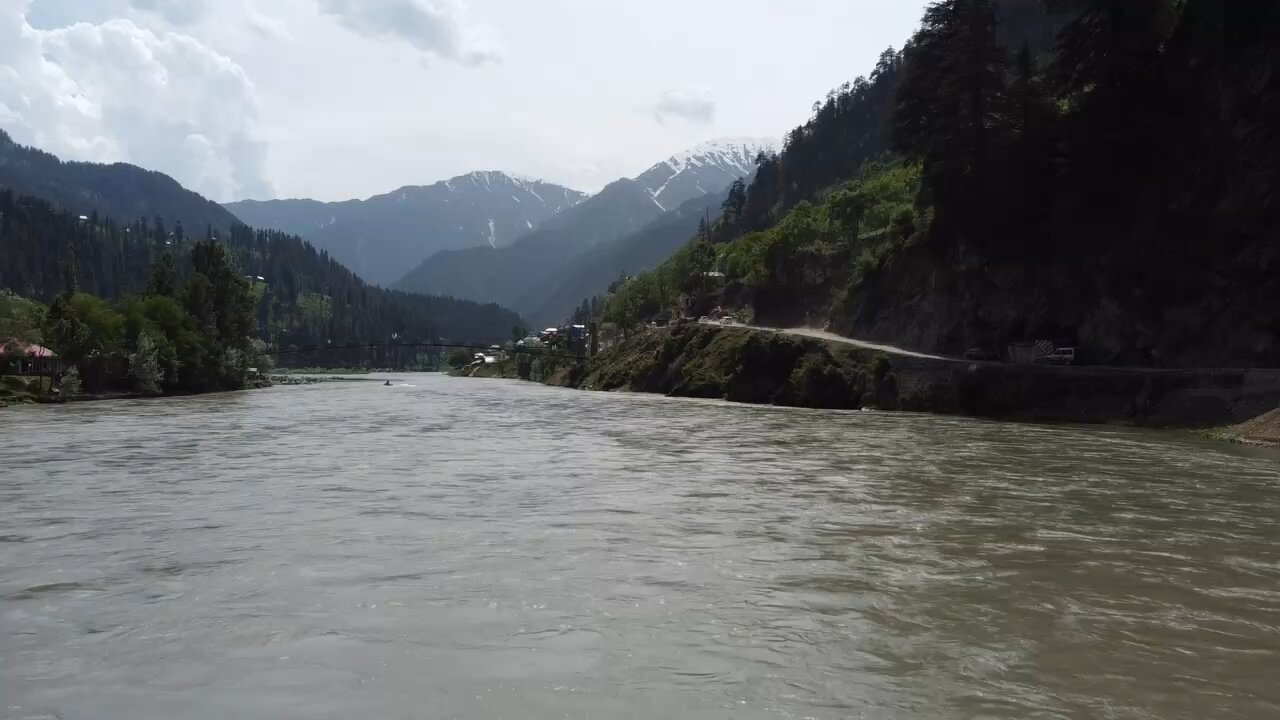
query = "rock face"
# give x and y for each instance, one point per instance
(746, 365)
(1263, 430)
(949, 301)
(379, 238)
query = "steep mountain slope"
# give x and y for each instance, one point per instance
(381, 236)
(707, 168)
(1123, 201)
(123, 191)
(504, 275)
(590, 273)
(537, 264)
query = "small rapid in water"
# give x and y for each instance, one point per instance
(496, 549)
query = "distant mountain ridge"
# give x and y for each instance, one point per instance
(382, 236)
(704, 169)
(517, 276)
(590, 273)
(119, 190)
(508, 273)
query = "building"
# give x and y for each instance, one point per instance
(18, 358)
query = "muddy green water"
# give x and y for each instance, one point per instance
(493, 549)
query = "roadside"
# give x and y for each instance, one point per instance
(817, 334)
(832, 337)
(812, 368)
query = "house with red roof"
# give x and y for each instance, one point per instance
(19, 358)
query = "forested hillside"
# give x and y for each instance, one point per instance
(1114, 189)
(119, 190)
(304, 297)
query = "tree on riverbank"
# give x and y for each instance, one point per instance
(181, 337)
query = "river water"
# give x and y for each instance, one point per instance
(493, 549)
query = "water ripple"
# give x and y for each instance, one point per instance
(502, 549)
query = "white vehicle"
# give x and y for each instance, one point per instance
(728, 320)
(1060, 356)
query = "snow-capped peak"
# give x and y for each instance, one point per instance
(705, 168)
(736, 152)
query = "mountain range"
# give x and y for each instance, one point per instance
(131, 219)
(486, 236)
(381, 236)
(454, 233)
(518, 276)
(119, 190)
(705, 169)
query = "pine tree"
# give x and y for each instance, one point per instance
(733, 205)
(949, 105)
(1111, 48)
(1030, 120)
(164, 277)
(144, 366)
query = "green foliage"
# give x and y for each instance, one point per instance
(736, 364)
(819, 380)
(153, 343)
(307, 300)
(804, 257)
(850, 127)
(644, 296)
(66, 332)
(21, 319)
(145, 367)
(103, 326)
(164, 277)
(70, 384)
(951, 104)
(260, 356)
(459, 358)
(315, 308)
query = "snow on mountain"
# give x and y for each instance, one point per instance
(703, 169)
(381, 236)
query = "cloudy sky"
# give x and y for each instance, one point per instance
(336, 99)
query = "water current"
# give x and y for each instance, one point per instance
(495, 549)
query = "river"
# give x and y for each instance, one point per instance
(496, 549)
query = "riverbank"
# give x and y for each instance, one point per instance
(14, 391)
(508, 369)
(1261, 431)
(758, 366)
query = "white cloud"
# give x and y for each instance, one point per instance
(436, 27)
(179, 12)
(115, 91)
(692, 105)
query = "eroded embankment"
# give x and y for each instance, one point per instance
(755, 366)
(1262, 431)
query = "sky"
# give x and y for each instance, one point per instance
(335, 99)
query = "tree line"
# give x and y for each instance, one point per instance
(299, 297)
(187, 334)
